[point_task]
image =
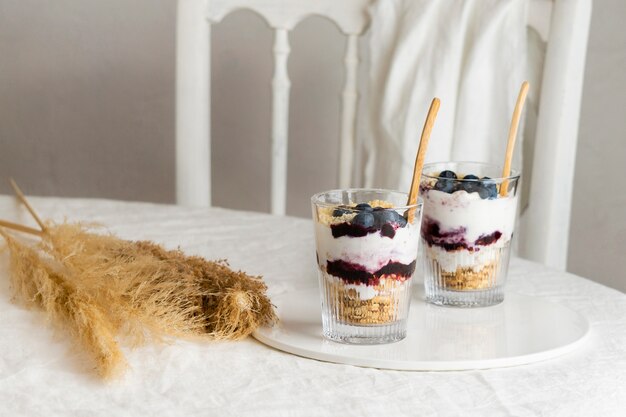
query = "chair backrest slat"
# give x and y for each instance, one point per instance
(280, 121)
(546, 223)
(349, 100)
(193, 92)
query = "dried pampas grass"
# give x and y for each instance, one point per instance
(103, 289)
(35, 282)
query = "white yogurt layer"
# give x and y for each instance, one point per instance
(479, 217)
(451, 261)
(371, 251)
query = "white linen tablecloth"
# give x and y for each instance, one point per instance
(40, 374)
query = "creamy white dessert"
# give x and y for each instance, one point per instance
(372, 252)
(466, 235)
(367, 257)
(466, 225)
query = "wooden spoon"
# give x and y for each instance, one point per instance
(421, 155)
(517, 114)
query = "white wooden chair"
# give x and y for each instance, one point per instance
(193, 183)
(563, 24)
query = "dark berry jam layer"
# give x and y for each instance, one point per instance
(486, 240)
(356, 274)
(454, 239)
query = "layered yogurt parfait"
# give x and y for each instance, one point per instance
(367, 248)
(467, 227)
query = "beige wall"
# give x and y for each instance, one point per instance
(86, 97)
(87, 109)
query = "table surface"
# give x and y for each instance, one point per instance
(40, 373)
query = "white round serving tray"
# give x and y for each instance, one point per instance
(520, 330)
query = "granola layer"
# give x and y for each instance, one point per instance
(383, 308)
(470, 278)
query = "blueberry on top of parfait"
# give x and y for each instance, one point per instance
(364, 220)
(488, 189)
(364, 207)
(485, 186)
(471, 186)
(400, 219)
(446, 182)
(340, 211)
(447, 174)
(383, 217)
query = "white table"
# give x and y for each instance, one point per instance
(41, 375)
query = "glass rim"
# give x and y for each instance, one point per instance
(315, 199)
(515, 173)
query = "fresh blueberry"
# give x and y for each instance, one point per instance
(364, 219)
(488, 189)
(472, 186)
(483, 192)
(447, 174)
(364, 207)
(388, 216)
(384, 216)
(445, 185)
(400, 219)
(338, 212)
(446, 182)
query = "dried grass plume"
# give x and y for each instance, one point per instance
(105, 290)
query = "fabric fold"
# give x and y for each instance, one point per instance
(471, 54)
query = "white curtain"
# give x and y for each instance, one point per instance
(469, 53)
